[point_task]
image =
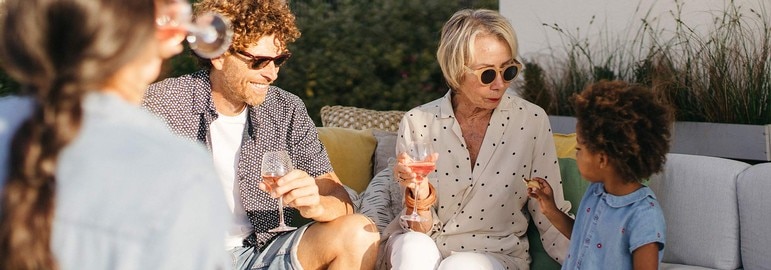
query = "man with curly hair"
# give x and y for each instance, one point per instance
(623, 138)
(231, 107)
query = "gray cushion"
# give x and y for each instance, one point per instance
(754, 216)
(698, 196)
(383, 199)
(386, 149)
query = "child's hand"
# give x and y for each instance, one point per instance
(544, 195)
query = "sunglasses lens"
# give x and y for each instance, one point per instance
(510, 73)
(487, 76)
(280, 60)
(260, 62)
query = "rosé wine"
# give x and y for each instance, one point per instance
(422, 169)
(270, 180)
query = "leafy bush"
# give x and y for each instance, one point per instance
(377, 54)
(723, 76)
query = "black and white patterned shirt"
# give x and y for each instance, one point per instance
(279, 123)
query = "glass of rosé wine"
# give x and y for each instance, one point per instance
(421, 162)
(275, 165)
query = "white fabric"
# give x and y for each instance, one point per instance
(414, 250)
(470, 261)
(226, 132)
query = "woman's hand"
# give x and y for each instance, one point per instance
(407, 178)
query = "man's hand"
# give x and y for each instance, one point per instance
(298, 190)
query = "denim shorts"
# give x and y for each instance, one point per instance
(280, 254)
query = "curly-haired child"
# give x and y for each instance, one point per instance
(622, 138)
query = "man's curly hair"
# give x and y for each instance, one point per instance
(628, 124)
(252, 19)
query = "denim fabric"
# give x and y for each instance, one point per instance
(609, 228)
(280, 254)
(130, 194)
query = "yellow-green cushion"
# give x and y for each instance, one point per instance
(350, 152)
(566, 145)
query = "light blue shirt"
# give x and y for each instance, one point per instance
(129, 195)
(609, 228)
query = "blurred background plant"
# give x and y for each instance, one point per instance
(723, 75)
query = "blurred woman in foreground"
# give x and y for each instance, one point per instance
(89, 180)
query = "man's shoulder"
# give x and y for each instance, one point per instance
(175, 88)
(285, 96)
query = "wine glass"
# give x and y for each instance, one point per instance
(421, 162)
(276, 164)
(209, 35)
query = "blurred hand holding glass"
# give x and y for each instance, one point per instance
(209, 35)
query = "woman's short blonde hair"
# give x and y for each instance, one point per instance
(458, 35)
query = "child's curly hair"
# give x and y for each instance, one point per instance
(252, 19)
(626, 123)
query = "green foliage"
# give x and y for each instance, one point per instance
(532, 89)
(377, 54)
(721, 76)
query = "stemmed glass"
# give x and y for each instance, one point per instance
(209, 35)
(275, 165)
(421, 162)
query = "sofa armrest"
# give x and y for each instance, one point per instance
(754, 204)
(699, 200)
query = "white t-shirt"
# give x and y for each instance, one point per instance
(226, 133)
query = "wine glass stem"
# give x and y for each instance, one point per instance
(281, 212)
(415, 206)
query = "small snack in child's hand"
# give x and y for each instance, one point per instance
(532, 183)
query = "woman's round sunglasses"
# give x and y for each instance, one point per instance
(259, 62)
(487, 75)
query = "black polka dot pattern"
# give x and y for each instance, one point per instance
(280, 123)
(482, 211)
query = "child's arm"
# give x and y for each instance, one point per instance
(646, 256)
(545, 197)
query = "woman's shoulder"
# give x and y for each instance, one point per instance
(108, 119)
(432, 108)
(515, 102)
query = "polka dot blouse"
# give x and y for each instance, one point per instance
(487, 210)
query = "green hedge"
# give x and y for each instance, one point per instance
(377, 54)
